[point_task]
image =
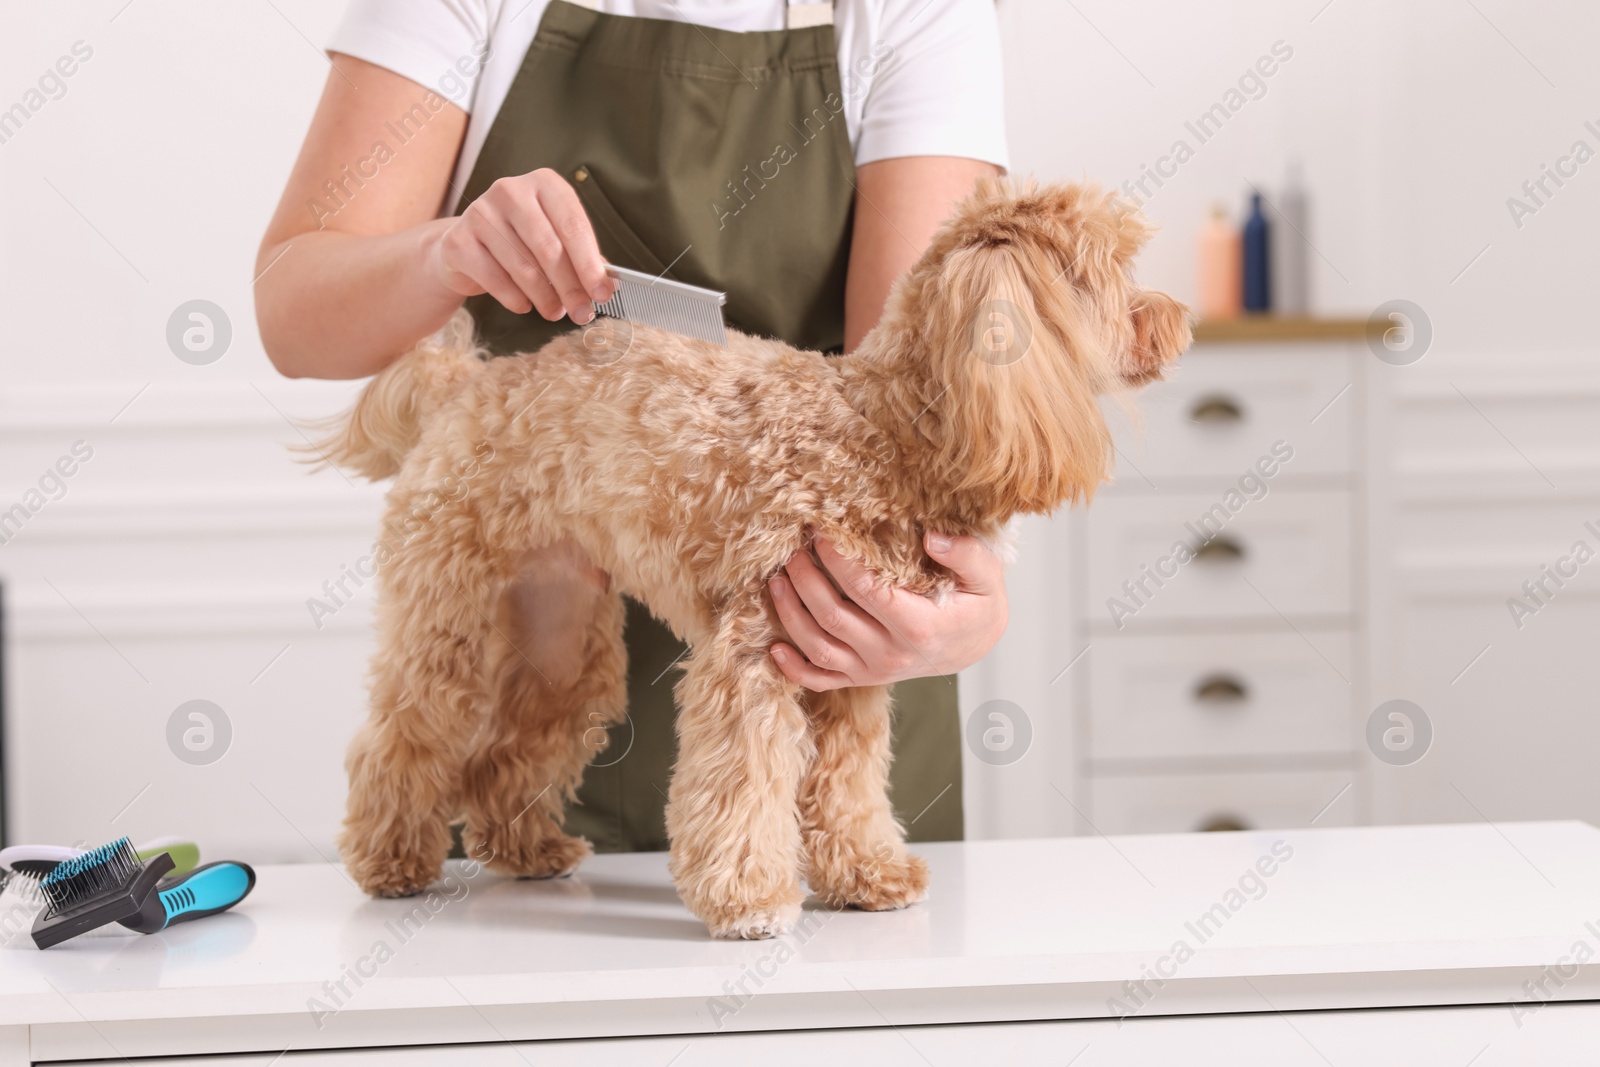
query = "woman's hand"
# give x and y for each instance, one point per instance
(356, 265)
(881, 635)
(528, 243)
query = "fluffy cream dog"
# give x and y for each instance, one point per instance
(689, 474)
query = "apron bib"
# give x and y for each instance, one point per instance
(720, 159)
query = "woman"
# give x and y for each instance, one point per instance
(797, 156)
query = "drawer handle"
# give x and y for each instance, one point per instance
(1220, 689)
(1220, 550)
(1216, 409)
(1222, 823)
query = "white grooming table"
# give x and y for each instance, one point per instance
(1026, 952)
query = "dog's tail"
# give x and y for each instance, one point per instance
(374, 437)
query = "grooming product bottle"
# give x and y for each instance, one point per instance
(1257, 287)
(1219, 271)
(1290, 267)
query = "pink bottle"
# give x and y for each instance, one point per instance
(1220, 268)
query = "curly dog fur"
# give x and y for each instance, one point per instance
(532, 492)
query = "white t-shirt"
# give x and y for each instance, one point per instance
(920, 77)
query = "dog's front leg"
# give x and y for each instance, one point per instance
(855, 852)
(742, 748)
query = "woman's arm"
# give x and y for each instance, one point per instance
(886, 635)
(355, 267)
(900, 203)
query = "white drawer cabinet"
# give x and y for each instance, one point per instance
(1225, 408)
(1251, 800)
(1220, 696)
(1229, 690)
(1288, 553)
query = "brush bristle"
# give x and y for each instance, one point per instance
(95, 873)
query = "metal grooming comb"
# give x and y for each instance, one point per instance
(668, 305)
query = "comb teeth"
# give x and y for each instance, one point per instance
(21, 890)
(105, 869)
(24, 885)
(20, 904)
(667, 305)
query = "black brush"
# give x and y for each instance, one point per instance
(111, 884)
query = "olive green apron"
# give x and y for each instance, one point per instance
(720, 159)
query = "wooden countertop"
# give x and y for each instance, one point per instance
(1014, 930)
(1270, 328)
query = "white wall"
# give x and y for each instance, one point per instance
(183, 552)
(1414, 122)
(177, 565)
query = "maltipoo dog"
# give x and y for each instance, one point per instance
(534, 491)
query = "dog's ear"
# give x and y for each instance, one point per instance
(1017, 366)
(1161, 333)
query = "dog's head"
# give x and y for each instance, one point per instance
(1025, 310)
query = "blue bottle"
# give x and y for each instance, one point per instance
(1257, 290)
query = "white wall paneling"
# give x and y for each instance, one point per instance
(1496, 476)
(176, 566)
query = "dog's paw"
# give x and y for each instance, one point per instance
(392, 876)
(876, 885)
(737, 894)
(555, 856)
(737, 908)
(753, 925)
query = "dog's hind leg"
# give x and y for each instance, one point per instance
(855, 851)
(561, 681)
(742, 747)
(429, 696)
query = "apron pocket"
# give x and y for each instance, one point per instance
(615, 235)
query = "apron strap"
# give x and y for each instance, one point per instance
(804, 13)
(801, 14)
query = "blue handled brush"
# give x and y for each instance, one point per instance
(112, 884)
